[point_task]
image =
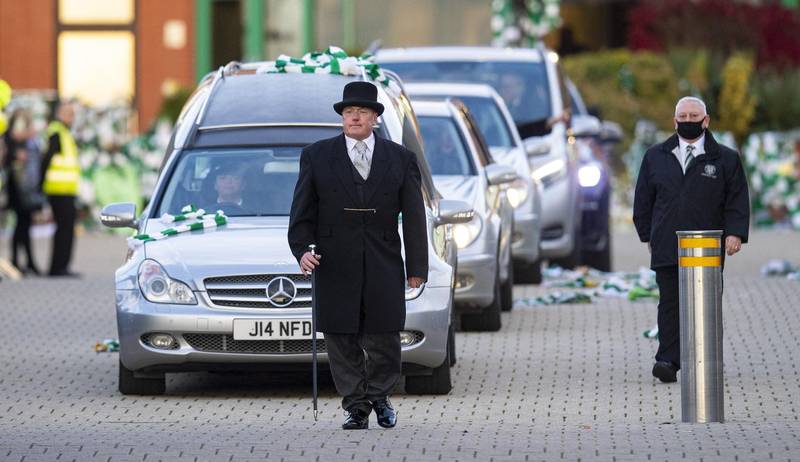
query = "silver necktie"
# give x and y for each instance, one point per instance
(360, 161)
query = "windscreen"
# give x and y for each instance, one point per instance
(523, 85)
(240, 182)
(445, 149)
(490, 121)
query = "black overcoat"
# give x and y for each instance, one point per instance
(711, 195)
(360, 283)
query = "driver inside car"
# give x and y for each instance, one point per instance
(229, 184)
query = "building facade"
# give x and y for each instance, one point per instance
(139, 51)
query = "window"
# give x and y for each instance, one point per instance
(96, 67)
(445, 149)
(96, 45)
(102, 12)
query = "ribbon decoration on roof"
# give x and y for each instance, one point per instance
(333, 60)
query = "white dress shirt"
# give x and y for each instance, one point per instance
(680, 153)
(351, 147)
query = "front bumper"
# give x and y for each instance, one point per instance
(558, 217)
(479, 272)
(595, 217)
(429, 314)
(526, 237)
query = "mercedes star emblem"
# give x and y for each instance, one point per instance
(281, 291)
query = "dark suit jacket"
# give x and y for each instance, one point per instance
(360, 283)
(711, 195)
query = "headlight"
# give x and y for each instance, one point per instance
(517, 193)
(549, 171)
(465, 233)
(589, 175)
(158, 287)
(411, 293)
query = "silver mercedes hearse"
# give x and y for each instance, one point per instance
(232, 297)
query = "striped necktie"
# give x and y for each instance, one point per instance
(689, 157)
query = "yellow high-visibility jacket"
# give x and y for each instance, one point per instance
(63, 175)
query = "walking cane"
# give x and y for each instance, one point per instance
(312, 248)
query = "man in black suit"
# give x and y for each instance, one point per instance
(688, 182)
(349, 193)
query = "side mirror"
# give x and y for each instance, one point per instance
(498, 174)
(611, 132)
(119, 215)
(537, 146)
(585, 126)
(454, 212)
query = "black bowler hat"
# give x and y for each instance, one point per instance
(359, 93)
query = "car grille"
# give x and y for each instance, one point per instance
(250, 291)
(218, 343)
(553, 232)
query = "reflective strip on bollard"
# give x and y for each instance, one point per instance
(700, 261)
(699, 243)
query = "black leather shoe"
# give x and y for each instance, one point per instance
(387, 418)
(356, 420)
(65, 274)
(665, 371)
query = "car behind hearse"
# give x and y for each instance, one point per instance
(232, 297)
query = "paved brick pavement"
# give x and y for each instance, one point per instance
(568, 382)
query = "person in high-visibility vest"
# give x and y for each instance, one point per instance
(60, 181)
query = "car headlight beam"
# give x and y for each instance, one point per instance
(158, 287)
(589, 175)
(465, 233)
(517, 193)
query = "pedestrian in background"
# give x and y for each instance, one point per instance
(688, 182)
(349, 193)
(60, 181)
(21, 163)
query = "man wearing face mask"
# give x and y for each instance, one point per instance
(688, 182)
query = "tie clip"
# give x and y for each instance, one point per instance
(360, 210)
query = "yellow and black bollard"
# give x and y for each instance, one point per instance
(700, 283)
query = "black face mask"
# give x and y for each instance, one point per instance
(690, 130)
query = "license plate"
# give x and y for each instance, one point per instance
(272, 329)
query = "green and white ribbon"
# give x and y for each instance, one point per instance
(333, 60)
(651, 333)
(201, 222)
(510, 27)
(189, 212)
(543, 17)
(771, 161)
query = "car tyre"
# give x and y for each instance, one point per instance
(574, 258)
(600, 259)
(528, 273)
(437, 383)
(507, 289)
(451, 344)
(129, 384)
(488, 320)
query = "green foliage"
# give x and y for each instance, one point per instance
(172, 104)
(778, 94)
(737, 105)
(626, 86)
